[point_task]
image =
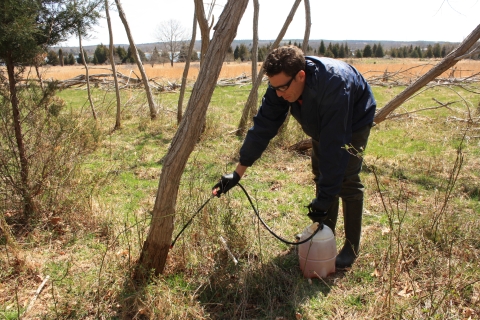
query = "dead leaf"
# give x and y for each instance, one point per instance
(122, 253)
(275, 187)
(377, 273)
(298, 316)
(55, 220)
(407, 291)
(468, 312)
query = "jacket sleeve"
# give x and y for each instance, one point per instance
(335, 133)
(266, 123)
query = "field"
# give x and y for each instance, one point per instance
(420, 246)
(368, 67)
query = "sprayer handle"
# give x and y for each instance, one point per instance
(317, 216)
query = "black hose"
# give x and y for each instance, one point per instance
(259, 218)
(270, 230)
(189, 221)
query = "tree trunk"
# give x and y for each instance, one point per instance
(247, 113)
(256, 9)
(308, 25)
(39, 75)
(148, 91)
(185, 71)
(155, 249)
(88, 77)
(450, 60)
(28, 204)
(118, 118)
(60, 56)
(204, 28)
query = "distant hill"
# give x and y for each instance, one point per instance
(352, 44)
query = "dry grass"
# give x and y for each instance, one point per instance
(368, 67)
(415, 67)
(230, 70)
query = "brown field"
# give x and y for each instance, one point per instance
(368, 67)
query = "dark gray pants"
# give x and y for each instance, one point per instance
(352, 188)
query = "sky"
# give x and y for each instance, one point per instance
(404, 20)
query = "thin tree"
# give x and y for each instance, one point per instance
(85, 65)
(83, 28)
(250, 106)
(155, 249)
(247, 113)
(308, 25)
(155, 57)
(204, 27)
(172, 35)
(133, 47)
(256, 10)
(60, 56)
(111, 48)
(186, 69)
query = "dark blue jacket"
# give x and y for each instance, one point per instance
(336, 101)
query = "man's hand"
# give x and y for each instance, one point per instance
(315, 206)
(315, 212)
(226, 183)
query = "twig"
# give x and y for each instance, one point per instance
(471, 53)
(442, 105)
(228, 250)
(37, 293)
(324, 282)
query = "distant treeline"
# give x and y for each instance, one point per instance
(101, 56)
(242, 52)
(342, 50)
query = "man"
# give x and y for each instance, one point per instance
(335, 107)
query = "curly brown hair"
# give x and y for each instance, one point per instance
(289, 59)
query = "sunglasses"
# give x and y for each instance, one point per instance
(282, 88)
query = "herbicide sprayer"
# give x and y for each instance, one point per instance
(316, 245)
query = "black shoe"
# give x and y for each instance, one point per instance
(346, 257)
(352, 214)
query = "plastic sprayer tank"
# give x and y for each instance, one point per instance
(317, 256)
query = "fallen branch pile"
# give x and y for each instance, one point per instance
(408, 76)
(105, 81)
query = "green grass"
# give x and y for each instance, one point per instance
(412, 237)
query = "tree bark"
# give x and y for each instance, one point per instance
(204, 28)
(28, 204)
(89, 93)
(60, 56)
(449, 61)
(118, 123)
(247, 113)
(155, 249)
(185, 71)
(308, 25)
(133, 47)
(256, 9)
